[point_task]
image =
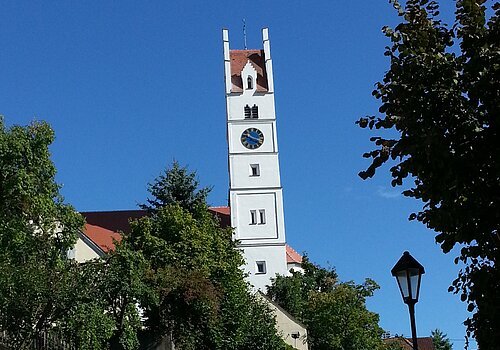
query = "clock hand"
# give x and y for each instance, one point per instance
(256, 139)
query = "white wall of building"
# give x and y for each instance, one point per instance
(236, 129)
(293, 332)
(261, 242)
(265, 102)
(273, 231)
(82, 251)
(275, 262)
(241, 174)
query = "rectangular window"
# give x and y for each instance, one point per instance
(254, 170)
(260, 267)
(262, 217)
(253, 217)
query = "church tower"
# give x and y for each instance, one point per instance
(255, 192)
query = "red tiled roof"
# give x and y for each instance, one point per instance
(223, 214)
(103, 226)
(102, 237)
(239, 59)
(116, 220)
(221, 210)
(424, 343)
(292, 256)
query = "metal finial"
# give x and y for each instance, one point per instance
(244, 33)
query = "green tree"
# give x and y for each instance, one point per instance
(176, 185)
(441, 97)
(37, 281)
(199, 296)
(120, 282)
(88, 324)
(440, 340)
(334, 313)
(393, 345)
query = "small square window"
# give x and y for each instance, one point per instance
(262, 216)
(254, 170)
(261, 267)
(253, 217)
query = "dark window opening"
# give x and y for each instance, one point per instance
(262, 216)
(249, 83)
(253, 217)
(248, 112)
(255, 112)
(261, 267)
(254, 170)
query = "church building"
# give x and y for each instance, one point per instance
(255, 208)
(255, 194)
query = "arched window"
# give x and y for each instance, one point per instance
(255, 112)
(248, 112)
(249, 83)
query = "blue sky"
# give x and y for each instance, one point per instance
(130, 86)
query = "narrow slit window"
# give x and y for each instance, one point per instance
(262, 217)
(254, 170)
(248, 112)
(249, 83)
(255, 112)
(253, 217)
(260, 267)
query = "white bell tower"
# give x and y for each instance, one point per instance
(255, 192)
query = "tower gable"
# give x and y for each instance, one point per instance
(240, 59)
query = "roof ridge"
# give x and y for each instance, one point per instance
(243, 50)
(110, 211)
(293, 250)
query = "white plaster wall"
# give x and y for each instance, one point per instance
(241, 173)
(236, 106)
(294, 267)
(236, 129)
(244, 201)
(249, 71)
(275, 258)
(260, 242)
(286, 326)
(256, 201)
(83, 252)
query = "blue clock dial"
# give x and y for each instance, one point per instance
(252, 138)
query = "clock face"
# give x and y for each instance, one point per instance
(252, 138)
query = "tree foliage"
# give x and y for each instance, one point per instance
(176, 185)
(37, 283)
(177, 273)
(440, 340)
(441, 95)
(198, 293)
(334, 313)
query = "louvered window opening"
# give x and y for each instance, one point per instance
(252, 113)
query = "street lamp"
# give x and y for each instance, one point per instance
(408, 273)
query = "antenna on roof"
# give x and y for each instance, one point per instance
(244, 33)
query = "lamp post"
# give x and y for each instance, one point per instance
(408, 273)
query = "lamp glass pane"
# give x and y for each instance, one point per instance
(414, 281)
(403, 283)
